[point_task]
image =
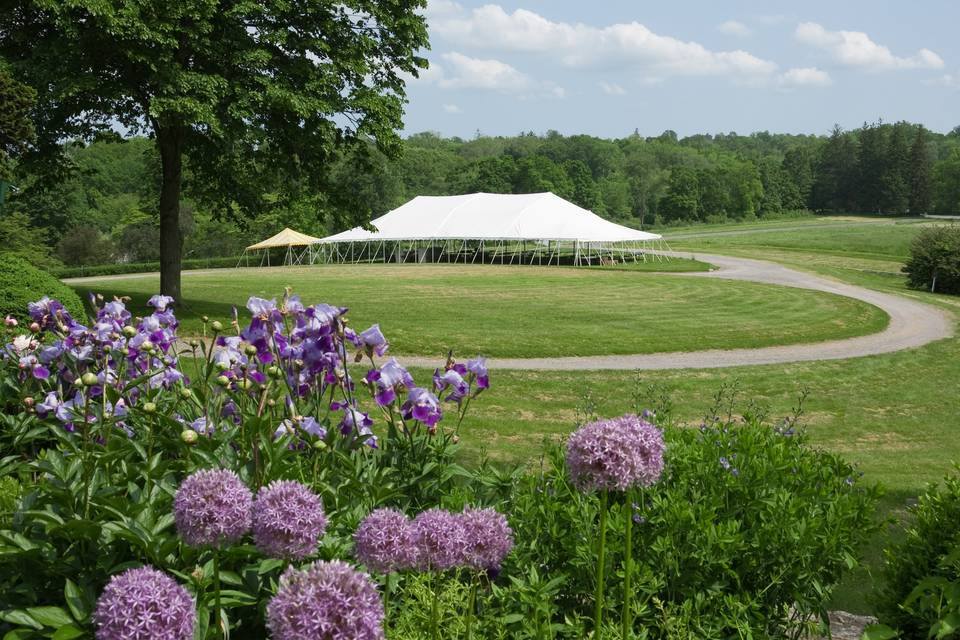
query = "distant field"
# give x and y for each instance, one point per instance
(529, 311)
(886, 241)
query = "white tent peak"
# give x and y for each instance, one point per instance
(492, 216)
(286, 238)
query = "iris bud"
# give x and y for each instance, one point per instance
(217, 326)
(189, 436)
(149, 407)
(129, 331)
(88, 379)
(223, 381)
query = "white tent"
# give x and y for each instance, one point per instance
(537, 227)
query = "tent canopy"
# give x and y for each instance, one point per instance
(286, 238)
(492, 216)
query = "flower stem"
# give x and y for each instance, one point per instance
(216, 588)
(470, 608)
(386, 602)
(626, 622)
(601, 561)
(435, 610)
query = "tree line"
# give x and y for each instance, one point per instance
(106, 209)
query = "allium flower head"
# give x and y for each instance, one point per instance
(615, 454)
(441, 540)
(385, 541)
(489, 538)
(144, 604)
(212, 508)
(326, 601)
(288, 520)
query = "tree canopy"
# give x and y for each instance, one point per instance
(257, 96)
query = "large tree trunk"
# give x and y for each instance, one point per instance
(170, 143)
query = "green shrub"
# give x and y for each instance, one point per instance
(745, 535)
(934, 262)
(21, 283)
(142, 267)
(921, 574)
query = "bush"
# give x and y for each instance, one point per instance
(934, 262)
(21, 283)
(142, 267)
(745, 535)
(921, 574)
(85, 245)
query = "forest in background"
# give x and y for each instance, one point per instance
(103, 209)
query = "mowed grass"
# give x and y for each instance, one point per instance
(502, 311)
(882, 239)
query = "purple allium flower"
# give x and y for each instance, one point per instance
(441, 540)
(212, 507)
(288, 520)
(423, 406)
(385, 541)
(374, 341)
(615, 454)
(489, 538)
(326, 601)
(144, 604)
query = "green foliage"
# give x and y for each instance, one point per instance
(21, 282)
(747, 533)
(934, 261)
(16, 129)
(83, 246)
(920, 593)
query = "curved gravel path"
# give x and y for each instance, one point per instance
(912, 324)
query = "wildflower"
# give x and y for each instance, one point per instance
(615, 454)
(144, 604)
(374, 342)
(489, 538)
(288, 520)
(440, 539)
(452, 380)
(212, 507)
(385, 542)
(478, 368)
(389, 380)
(423, 406)
(325, 601)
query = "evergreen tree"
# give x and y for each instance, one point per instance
(895, 179)
(921, 187)
(872, 164)
(834, 187)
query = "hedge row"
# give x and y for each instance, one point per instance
(141, 267)
(21, 283)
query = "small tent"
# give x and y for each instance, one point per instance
(299, 248)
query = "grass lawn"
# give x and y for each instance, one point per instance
(530, 311)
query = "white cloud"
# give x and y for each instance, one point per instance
(856, 49)
(452, 108)
(949, 80)
(734, 28)
(612, 89)
(621, 45)
(476, 73)
(805, 77)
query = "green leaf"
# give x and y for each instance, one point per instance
(76, 600)
(879, 632)
(68, 632)
(50, 616)
(20, 617)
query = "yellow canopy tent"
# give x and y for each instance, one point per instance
(299, 248)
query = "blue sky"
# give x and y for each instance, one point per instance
(607, 67)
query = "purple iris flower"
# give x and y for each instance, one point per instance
(389, 380)
(355, 420)
(49, 405)
(260, 307)
(423, 406)
(160, 303)
(202, 426)
(478, 367)
(374, 341)
(452, 380)
(314, 428)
